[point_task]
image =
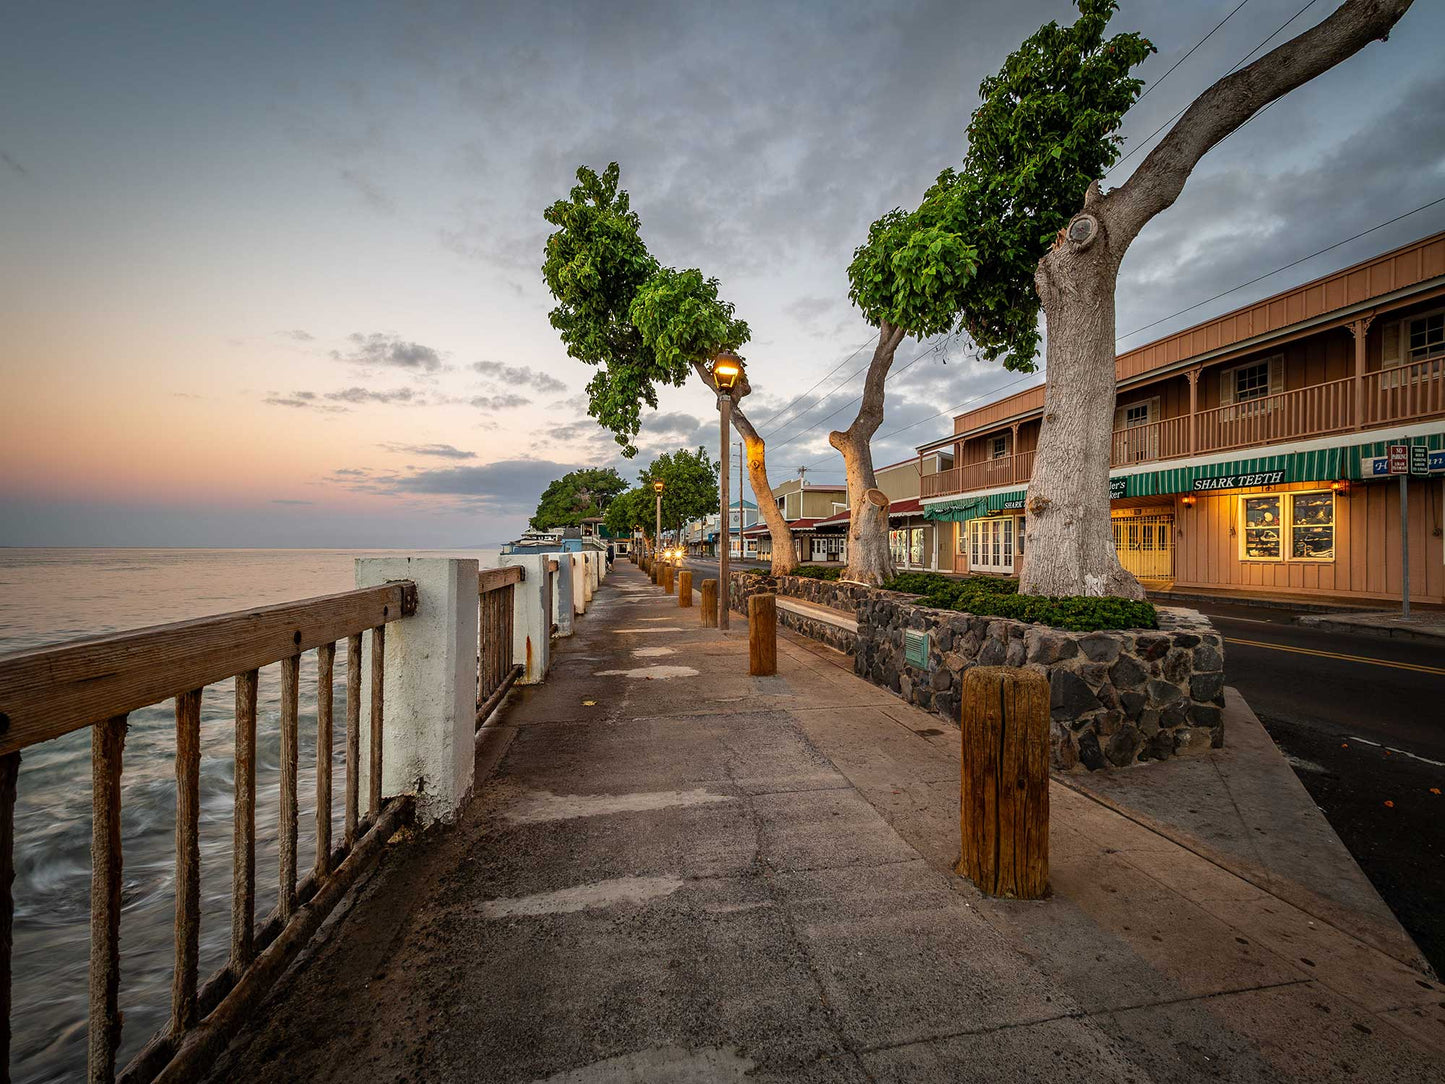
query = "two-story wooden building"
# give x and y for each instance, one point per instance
(803, 504)
(1246, 449)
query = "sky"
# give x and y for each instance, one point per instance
(270, 272)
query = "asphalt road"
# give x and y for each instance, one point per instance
(1362, 720)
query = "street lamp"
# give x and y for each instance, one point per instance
(727, 374)
(657, 535)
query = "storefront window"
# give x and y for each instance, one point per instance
(915, 546)
(898, 545)
(1312, 526)
(1263, 529)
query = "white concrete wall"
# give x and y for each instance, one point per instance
(531, 616)
(579, 583)
(589, 578)
(430, 685)
(562, 594)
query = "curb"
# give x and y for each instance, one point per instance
(1384, 632)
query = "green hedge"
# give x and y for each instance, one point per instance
(991, 596)
(807, 572)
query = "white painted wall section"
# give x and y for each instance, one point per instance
(430, 685)
(531, 616)
(562, 594)
(579, 583)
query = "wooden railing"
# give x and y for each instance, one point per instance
(97, 683)
(1406, 392)
(941, 483)
(1164, 439)
(497, 668)
(1306, 412)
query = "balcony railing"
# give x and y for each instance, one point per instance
(1292, 415)
(1405, 393)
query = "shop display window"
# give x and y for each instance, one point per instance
(1312, 526)
(1263, 528)
(1288, 526)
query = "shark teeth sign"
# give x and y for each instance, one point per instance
(1239, 481)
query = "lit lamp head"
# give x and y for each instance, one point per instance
(727, 370)
(657, 486)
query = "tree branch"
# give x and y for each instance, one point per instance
(1221, 109)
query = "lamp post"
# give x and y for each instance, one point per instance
(727, 373)
(657, 534)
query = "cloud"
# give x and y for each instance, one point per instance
(366, 395)
(498, 402)
(289, 500)
(299, 335)
(391, 351)
(351, 472)
(509, 486)
(375, 197)
(520, 374)
(13, 164)
(302, 400)
(440, 451)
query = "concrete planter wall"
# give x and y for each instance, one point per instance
(835, 596)
(1119, 697)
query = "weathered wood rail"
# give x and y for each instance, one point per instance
(97, 683)
(496, 588)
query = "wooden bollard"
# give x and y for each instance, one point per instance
(709, 603)
(763, 635)
(1004, 781)
(684, 588)
(654, 569)
(667, 574)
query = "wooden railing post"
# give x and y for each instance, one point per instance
(243, 834)
(684, 588)
(763, 635)
(325, 695)
(188, 862)
(353, 740)
(378, 695)
(1004, 781)
(107, 745)
(709, 603)
(9, 776)
(290, 724)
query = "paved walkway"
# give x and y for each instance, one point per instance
(1422, 624)
(676, 872)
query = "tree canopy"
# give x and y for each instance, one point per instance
(577, 495)
(642, 324)
(1046, 128)
(690, 491)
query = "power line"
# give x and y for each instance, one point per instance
(1286, 267)
(824, 377)
(1238, 64)
(1187, 55)
(822, 398)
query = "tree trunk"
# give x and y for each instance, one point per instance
(784, 560)
(870, 560)
(1069, 542)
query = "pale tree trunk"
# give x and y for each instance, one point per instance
(784, 560)
(1069, 543)
(870, 560)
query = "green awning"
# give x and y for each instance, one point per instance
(1320, 465)
(964, 509)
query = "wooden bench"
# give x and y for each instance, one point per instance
(814, 612)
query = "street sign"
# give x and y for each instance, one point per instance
(1397, 456)
(1419, 460)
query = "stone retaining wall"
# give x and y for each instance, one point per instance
(842, 597)
(1118, 697)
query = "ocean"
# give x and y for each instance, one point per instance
(51, 595)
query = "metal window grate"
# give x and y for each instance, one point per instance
(915, 648)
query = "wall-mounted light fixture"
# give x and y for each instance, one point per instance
(1342, 486)
(1188, 500)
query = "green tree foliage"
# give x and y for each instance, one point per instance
(689, 481)
(633, 509)
(642, 324)
(577, 495)
(965, 258)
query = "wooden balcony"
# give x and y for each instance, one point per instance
(1403, 394)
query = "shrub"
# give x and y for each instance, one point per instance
(818, 572)
(993, 596)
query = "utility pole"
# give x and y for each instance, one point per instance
(742, 518)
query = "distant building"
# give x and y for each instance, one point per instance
(1248, 450)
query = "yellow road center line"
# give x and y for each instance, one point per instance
(1335, 655)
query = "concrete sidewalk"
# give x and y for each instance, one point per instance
(1423, 624)
(677, 872)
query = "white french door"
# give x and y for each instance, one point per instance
(991, 544)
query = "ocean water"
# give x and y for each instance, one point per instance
(51, 595)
